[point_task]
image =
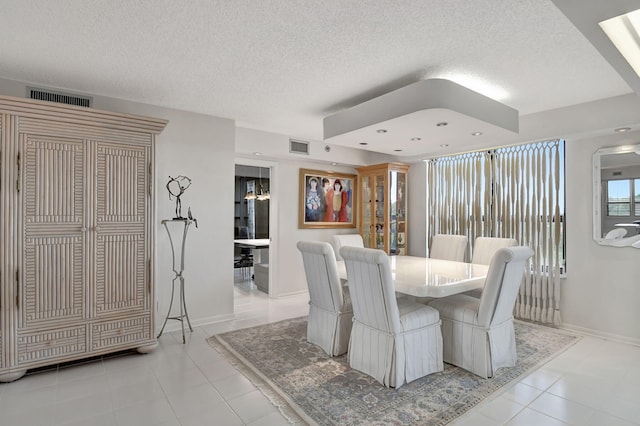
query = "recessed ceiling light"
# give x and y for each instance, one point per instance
(442, 124)
(334, 164)
(257, 153)
(444, 145)
(397, 150)
(416, 139)
(622, 129)
(381, 131)
(364, 143)
(476, 134)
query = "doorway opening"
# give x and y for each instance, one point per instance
(251, 231)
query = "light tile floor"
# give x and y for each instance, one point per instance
(595, 382)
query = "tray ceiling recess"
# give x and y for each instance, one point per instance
(424, 118)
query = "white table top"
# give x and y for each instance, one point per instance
(253, 243)
(424, 277)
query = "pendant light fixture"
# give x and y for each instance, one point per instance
(261, 194)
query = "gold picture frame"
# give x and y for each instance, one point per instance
(327, 199)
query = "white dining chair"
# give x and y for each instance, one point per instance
(448, 247)
(342, 240)
(484, 248)
(615, 234)
(330, 312)
(393, 340)
(478, 334)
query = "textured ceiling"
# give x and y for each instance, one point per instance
(283, 65)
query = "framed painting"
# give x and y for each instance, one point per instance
(327, 199)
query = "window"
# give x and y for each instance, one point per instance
(510, 192)
(623, 197)
(636, 196)
(619, 197)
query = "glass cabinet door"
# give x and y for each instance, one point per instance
(379, 218)
(367, 223)
(397, 213)
(383, 207)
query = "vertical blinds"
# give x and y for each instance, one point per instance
(512, 192)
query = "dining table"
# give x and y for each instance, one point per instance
(634, 225)
(426, 277)
(256, 245)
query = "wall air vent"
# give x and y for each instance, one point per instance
(298, 147)
(59, 97)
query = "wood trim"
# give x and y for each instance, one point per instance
(79, 115)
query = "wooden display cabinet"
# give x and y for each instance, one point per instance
(382, 193)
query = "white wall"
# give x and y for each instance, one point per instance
(202, 148)
(418, 208)
(287, 271)
(602, 291)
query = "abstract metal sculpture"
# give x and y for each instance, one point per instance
(176, 187)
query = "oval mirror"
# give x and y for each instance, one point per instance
(616, 196)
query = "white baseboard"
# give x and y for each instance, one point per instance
(173, 325)
(601, 334)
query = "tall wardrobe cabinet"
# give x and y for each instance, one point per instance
(77, 233)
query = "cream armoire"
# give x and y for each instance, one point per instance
(77, 233)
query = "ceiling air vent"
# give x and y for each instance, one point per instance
(60, 97)
(298, 147)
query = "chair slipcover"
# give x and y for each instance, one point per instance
(478, 334)
(330, 312)
(483, 250)
(394, 341)
(485, 247)
(448, 247)
(342, 240)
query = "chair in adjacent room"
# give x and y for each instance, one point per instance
(448, 247)
(393, 340)
(478, 334)
(341, 240)
(243, 257)
(330, 312)
(483, 250)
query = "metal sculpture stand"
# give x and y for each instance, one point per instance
(178, 276)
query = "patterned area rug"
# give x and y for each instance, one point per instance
(310, 387)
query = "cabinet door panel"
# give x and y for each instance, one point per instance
(52, 270)
(53, 181)
(383, 201)
(121, 241)
(122, 184)
(121, 275)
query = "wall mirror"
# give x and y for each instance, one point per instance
(616, 196)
